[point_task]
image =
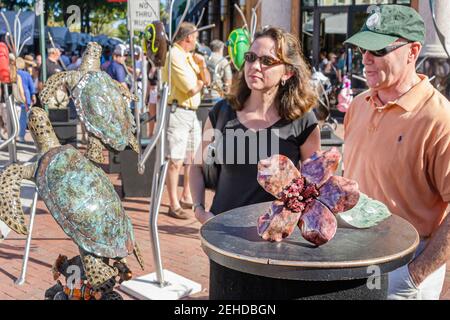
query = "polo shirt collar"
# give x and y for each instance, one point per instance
(180, 48)
(412, 99)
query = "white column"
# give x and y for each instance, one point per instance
(433, 47)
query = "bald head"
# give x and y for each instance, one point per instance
(187, 36)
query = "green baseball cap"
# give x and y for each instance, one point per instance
(388, 23)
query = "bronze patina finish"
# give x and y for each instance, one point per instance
(80, 197)
(101, 103)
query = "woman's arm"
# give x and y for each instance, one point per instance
(311, 145)
(197, 183)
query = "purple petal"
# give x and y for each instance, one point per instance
(321, 166)
(317, 224)
(278, 223)
(275, 173)
(339, 194)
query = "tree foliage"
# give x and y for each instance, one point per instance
(15, 4)
(96, 16)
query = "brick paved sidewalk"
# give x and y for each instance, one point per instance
(179, 240)
(180, 250)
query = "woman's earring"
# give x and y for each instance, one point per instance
(283, 82)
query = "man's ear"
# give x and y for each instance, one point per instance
(414, 52)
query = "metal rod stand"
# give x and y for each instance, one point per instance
(10, 121)
(12, 126)
(160, 173)
(21, 280)
(177, 286)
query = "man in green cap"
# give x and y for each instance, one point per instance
(397, 144)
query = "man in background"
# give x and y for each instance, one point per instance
(53, 65)
(189, 74)
(117, 69)
(30, 96)
(220, 71)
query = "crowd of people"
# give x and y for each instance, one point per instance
(30, 81)
(333, 66)
(117, 63)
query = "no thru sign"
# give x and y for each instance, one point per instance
(143, 12)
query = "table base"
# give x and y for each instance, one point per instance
(226, 283)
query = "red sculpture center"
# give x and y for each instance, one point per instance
(298, 194)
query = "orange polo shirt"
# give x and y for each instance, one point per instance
(400, 153)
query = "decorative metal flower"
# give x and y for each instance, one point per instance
(309, 199)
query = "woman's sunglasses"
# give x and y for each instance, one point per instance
(384, 51)
(265, 60)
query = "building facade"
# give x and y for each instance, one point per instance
(323, 25)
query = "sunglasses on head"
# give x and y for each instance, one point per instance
(265, 60)
(384, 51)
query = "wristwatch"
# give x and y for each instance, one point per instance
(196, 205)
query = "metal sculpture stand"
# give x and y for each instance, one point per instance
(13, 125)
(21, 280)
(162, 284)
(16, 47)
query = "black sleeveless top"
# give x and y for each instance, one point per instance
(241, 148)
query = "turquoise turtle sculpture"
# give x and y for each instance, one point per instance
(81, 199)
(101, 103)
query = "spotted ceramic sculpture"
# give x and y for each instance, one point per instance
(101, 103)
(313, 198)
(74, 290)
(82, 200)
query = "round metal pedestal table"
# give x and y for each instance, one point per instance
(353, 265)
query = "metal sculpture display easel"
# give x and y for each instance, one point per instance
(162, 284)
(15, 45)
(21, 279)
(13, 131)
(12, 126)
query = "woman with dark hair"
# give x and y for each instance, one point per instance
(268, 112)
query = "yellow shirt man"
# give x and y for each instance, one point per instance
(184, 75)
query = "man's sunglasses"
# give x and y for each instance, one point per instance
(265, 60)
(384, 51)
